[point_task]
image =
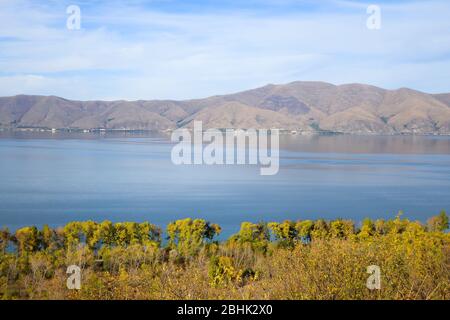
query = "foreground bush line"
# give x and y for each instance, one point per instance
(289, 260)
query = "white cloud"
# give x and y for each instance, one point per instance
(133, 52)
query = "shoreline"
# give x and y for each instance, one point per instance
(285, 132)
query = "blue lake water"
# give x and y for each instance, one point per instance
(54, 179)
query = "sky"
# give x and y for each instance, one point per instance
(183, 49)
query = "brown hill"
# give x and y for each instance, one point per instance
(301, 106)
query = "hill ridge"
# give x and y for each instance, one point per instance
(303, 106)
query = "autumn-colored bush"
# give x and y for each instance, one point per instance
(302, 259)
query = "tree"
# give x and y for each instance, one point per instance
(123, 237)
(5, 237)
(255, 234)
(367, 229)
(342, 229)
(73, 233)
(438, 223)
(106, 233)
(49, 238)
(398, 225)
(149, 234)
(27, 239)
(381, 228)
(321, 230)
(188, 235)
(131, 233)
(89, 233)
(285, 233)
(304, 229)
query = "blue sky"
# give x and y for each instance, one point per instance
(189, 49)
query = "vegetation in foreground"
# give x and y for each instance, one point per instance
(289, 260)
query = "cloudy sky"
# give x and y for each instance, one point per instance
(190, 48)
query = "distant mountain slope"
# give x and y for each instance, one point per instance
(443, 97)
(301, 106)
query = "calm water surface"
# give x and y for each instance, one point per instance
(54, 179)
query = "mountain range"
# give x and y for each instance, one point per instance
(301, 106)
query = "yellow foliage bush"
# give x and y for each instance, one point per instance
(288, 260)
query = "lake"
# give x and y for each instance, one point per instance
(56, 178)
